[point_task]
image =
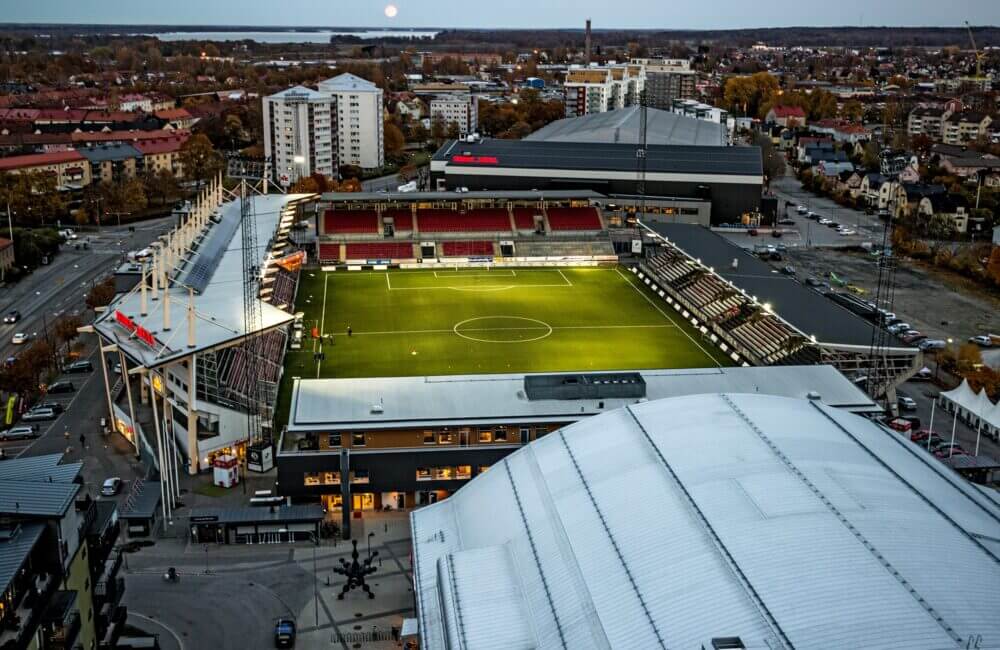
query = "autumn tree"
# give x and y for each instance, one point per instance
(393, 139)
(101, 294)
(199, 158)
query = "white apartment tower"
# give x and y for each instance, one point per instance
(459, 109)
(599, 89)
(300, 134)
(359, 122)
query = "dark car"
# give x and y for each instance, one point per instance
(12, 317)
(776, 234)
(55, 406)
(61, 387)
(284, 633)
(79, 366)
(814, 282)
(752, 232)
(786, 222)
(788, 269)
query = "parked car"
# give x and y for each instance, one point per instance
(79, 366)
(846, 231)
(802, 209)
(786, 222)
(788, 269)
(832, 224)
(825, 222)
(898, 327)
(912, 336)
(813, 216)
(111, 486)
(67, 234)
(982, 341)
(39, 414)
(12, 317)
(776, 234)
(284, 633)
(949, 449)
(20, 338)
(752, 232)
(24, 432)
(932, 344)
(906, 403)
(61, 387)
(55, 406)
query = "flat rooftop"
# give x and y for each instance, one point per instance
(599, 156)
(805, 309)
(622, 127)
(377, 403)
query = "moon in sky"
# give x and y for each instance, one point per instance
(391, 11)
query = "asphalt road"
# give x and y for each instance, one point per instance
(924, 393)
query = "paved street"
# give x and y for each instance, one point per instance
(241, 590)
(924, 393)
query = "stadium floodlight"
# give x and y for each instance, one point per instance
(299, 159)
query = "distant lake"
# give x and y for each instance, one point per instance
(290, 36)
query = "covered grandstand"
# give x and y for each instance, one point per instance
(179, 330)
(622, 126)
(364, 228)
(764, 316)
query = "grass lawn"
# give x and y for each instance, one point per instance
(471, 321)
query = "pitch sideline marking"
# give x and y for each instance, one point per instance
(322, 321)
(565, 279)
(667, 316)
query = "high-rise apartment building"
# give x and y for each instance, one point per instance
(359, 120)
(667, 80)
(600, 89)
(300, 134)
(462, 110)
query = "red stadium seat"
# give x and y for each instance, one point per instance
(350, 222)
(574, 219)
(402, 219)
(380, 251)
(524, 218)
(466, 248)
(478, 220)
(329, 252)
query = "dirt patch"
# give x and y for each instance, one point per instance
(936, 303)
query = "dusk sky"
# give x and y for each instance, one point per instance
(510, 13)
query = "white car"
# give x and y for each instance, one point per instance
(847, 231)
(802, 209)
(111, 486)
(824, 221)
(982, 341)
(20, 338)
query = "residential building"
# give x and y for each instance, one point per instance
(133, 102)
(111, 163)
(953, 208)
(177, 118)
(892, 162)
(667, 80)
(461, 110)
(870, 189)
(600, 89)
(927, 120)
(974, 166)
(786, 115)
(359, 121)
(70, 168)
(964, 127)
(300, 134)
(58, 568)
(162, 154)
(841, 131)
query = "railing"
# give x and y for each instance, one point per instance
(18, 626)
(63, 637)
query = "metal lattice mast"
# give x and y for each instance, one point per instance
(251, 312)
(640, 156)
(879, 372)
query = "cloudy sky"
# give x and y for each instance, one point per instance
(509, 13)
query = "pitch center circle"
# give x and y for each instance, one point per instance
(502, 329)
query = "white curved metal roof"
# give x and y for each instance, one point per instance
(666, 524)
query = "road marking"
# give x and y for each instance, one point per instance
(180, 644)
(667, 316)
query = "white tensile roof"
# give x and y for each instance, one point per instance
(219, 317)
(665, 524)
(978, 404)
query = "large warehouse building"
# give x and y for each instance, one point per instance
(730, 177)
(712, 521)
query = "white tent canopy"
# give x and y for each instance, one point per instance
(973, 407)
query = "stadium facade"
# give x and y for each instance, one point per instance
(730, 178)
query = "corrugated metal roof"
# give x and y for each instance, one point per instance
(34, 498)
(40, 468)
(144, 504)
(622, 126)
(600, 156)
(15, 550)
(785, 522)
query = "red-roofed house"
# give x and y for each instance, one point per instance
(162, 153)
(83, 137)
(69, 167)
(786, 115)
(178, 118)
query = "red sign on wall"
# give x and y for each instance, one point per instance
(476, 160)
(140, 332)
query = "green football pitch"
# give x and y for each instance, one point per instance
(497, 320)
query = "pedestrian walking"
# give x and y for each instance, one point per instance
(83, 441)
(349, 330)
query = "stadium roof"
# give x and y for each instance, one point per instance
(219, 299)
(495, 154)
(510, 195)
(805, 309)
(420, 401)
(622, 126)
(667, 524)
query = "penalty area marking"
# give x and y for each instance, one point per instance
(539, 325)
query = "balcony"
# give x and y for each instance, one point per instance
(19, 625)
(112, 622)
(61, 622)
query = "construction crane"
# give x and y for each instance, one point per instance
(975, 51)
